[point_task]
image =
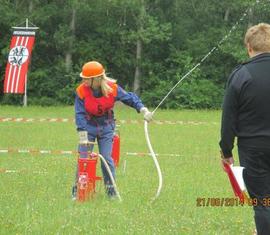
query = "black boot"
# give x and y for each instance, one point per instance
(74, 193)
(110, 191)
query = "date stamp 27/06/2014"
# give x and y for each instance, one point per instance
(228, 202)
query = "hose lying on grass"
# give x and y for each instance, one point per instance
(111, 177)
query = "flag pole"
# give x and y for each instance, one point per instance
(25, 92)
(25, 85)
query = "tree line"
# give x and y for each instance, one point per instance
(146, 45)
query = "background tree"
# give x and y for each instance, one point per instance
(147, 45)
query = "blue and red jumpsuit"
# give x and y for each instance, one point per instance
(94, 114)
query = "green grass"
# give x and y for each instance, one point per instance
(41, 203)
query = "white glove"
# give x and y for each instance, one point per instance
(83, 137)
(147, 115)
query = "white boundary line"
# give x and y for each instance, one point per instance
(70, 152)
(158, 122)
(5, 171)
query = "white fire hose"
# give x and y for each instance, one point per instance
(154, 158)
(111, 177)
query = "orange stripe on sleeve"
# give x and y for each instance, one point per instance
(115, 89)
(80, 91)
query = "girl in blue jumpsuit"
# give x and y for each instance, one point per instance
(94, 115)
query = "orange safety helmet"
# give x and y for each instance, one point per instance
(92, 69)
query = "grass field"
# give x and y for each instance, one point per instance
(40, 203)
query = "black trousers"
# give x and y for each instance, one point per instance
(257, 179)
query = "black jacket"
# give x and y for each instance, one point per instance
(246, 106)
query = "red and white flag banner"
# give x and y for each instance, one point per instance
(18, 60)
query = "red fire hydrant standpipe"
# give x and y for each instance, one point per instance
(87, 178)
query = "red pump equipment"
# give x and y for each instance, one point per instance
(87, 178)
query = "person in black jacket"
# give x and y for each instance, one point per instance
(246, 115)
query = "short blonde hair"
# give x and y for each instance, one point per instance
(258, 37)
